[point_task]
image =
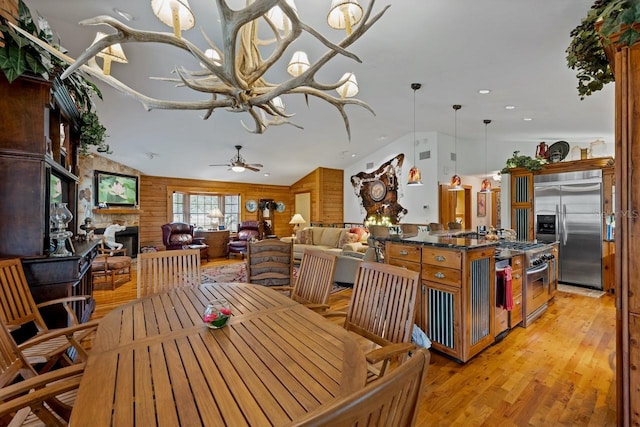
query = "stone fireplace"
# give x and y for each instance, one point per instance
(128, 238)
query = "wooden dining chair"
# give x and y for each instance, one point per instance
(270, 262)
(18, 309)
(391, 401)
(112, 266)
(164, 270)
(434, 226)
(31, 399)
(382, 309)
(315, 280)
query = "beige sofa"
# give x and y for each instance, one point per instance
(332, 239)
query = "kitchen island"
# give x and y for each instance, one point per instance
(457, 306)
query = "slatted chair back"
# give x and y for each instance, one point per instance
(12, 362)
(454, 225)
(315, 277)
(392, 400)
(382, 306)
(17, 306)
(165, 270)
(270, 262)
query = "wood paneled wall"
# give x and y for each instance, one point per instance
(156, 195)
(327, 194)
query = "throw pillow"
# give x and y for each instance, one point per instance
(304, 237)
(362, 233)
(346, 237)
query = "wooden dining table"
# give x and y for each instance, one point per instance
(154, 361)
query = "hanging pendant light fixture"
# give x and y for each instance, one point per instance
(415, 177)
(456, 182)
(485, 187)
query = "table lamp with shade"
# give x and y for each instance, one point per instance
(215, 216)
(297, 219)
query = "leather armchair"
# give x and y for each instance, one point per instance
(178, 235)
(247, 230)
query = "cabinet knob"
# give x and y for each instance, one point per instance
(516, 276)
(439, 275)
(440, 258)
(403, 252)
(517, 302)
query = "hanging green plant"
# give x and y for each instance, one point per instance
(527, 162)
(586, 54)
(92, 133)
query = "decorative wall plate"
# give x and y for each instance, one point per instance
(251, 206)
(280, 206)
(377, 190)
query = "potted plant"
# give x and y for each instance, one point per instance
(586, 53)
(19, 56)
(527, 162)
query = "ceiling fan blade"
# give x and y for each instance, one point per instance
(254, 165)
(251, 168)
(225, 164)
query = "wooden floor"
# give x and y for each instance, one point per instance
(558, 371)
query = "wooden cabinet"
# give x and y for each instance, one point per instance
(516, 314)
(217, 241)
(38, 165)
(522, 204)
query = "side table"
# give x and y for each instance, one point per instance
(217, 241)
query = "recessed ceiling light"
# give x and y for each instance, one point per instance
(124, 15)
(527, 119)
(509, 107)
(484, 91)
(267, 174)
(353, 154)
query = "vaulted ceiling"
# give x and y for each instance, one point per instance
(454, 48)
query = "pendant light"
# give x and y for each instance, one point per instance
(415, 177)
(456, 183)
(485, 187)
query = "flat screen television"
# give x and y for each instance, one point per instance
(115, 189)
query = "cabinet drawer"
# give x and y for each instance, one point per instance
(446, 276)
(516, 282)
(502, 321)
(516, 262)
(515, 315)
(403, 252)
(442, 257)
(413, 266)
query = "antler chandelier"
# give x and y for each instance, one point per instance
(234, 73)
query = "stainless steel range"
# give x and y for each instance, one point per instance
(539, 282)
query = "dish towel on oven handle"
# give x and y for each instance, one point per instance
(504, 289)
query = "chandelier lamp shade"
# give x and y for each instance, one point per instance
(455, 184)
(109, 54)
(485, 186)
(174, 13)
(415, 176)
(344, 14)
(235, 78)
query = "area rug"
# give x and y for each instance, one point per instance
(580, 291)
(237, 272)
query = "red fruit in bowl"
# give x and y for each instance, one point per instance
(225, 311)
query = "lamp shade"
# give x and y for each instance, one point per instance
(349, 88)
(174, 13)
(279, 19)
(297, 219)
(485, 186)
(213, 55)
(344, 14)
(456, 183)
(415, 177)
(113, 53)
(215, 213)
(299, 63)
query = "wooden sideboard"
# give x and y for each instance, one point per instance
(217, 241)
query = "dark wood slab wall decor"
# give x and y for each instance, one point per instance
(378, 190)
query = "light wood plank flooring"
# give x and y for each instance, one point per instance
(558, 371)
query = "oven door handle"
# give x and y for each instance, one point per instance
(538, 269)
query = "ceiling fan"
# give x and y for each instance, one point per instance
(238, 164)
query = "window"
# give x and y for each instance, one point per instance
(194, 208)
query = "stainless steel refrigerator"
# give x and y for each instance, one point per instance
(568, 209)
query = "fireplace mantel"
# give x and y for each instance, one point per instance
(117, 211)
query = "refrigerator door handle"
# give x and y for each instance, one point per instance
(564, 225)
(558, 225)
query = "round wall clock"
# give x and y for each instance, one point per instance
(377, 190)
(251, 205)
(280, 206)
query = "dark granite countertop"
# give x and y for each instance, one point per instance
(444, 239)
